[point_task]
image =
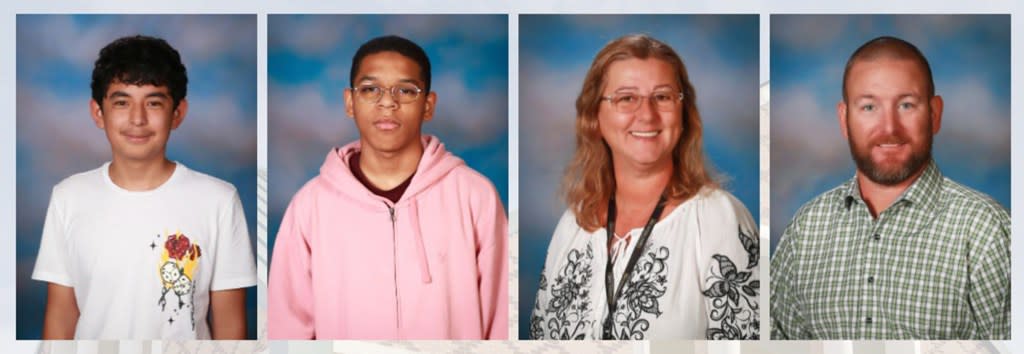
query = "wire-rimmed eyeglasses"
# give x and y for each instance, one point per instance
(401, 93)
(629, 102)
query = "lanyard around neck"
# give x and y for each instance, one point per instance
(610, 289)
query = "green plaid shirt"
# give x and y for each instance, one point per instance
(934, 265)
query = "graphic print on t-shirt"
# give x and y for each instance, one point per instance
(178, 262)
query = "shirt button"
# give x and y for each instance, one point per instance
(871, 279)
(878, 237)
(868, 320)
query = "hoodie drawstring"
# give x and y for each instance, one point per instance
(414, 218)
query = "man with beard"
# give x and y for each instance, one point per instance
(898, 251)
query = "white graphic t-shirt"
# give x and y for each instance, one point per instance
(142, 264)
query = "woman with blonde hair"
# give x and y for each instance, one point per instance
(650, 246)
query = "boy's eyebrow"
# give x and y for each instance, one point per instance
(117, 94)
(365, 78)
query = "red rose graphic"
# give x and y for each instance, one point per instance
(177, 246)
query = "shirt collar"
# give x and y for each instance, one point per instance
(924, 192)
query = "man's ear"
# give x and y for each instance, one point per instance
(349, 110)
(936, 105)
(841, 112)
(179, 113)
(428, 110)
(96, 111)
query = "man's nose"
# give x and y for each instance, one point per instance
(890, 120)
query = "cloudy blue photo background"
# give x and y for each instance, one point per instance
(57, 138)
(309, 58)
(970, 61)
(555, 51)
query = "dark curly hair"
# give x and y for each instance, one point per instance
(139, 60)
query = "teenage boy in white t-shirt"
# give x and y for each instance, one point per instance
(142, 247)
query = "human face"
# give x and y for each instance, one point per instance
(646, 137)
(137, 120)
(889, 120)
(387, 125)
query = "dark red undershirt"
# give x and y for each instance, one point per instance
(393, 195)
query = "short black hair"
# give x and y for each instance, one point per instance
(392, 43)
(892, 48)
(139, 60)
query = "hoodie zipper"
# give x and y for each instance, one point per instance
(394, 256)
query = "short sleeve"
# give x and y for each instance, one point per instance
(52, 262)
(730, 252)
(234, 266)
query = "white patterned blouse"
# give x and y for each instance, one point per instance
(696, 278)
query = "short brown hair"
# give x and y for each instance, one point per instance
(589, 180)
(891, 48)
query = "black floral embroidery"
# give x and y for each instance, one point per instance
(537, 319)
(640, 295)
(733, 295)
(568, 313)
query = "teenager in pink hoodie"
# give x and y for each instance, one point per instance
(396, 238)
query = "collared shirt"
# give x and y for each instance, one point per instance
(934, 265)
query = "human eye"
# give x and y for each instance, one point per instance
(368, 90)
(663, 97)
(867, 107)
(907, 105)
(626, 98)
(155, 104)
(408, 91)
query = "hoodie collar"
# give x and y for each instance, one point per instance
(435, 163)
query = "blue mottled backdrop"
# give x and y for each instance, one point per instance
(57, 138)
(309, 58)
(555, 51)
(970, 60)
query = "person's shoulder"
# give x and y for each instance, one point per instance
(473, 185)
(567, 220)
(315, 188)
(962, 199)
(83, 181)
(717, 199)
(471, 178)
(823, 203)
(205, 184)
(567, 233)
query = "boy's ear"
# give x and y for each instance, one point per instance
(96, 111)
(179, 113)
(428, 110)
(349, 109)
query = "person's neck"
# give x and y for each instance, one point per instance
(140, 175)
(638, 188)
(880, 197)
(388, 169)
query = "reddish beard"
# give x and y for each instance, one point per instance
(890, 175)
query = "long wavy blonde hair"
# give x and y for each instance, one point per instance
(589, 180)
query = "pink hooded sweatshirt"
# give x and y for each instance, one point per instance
(349, 264)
